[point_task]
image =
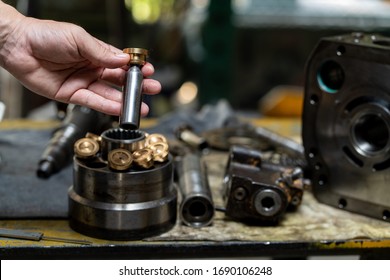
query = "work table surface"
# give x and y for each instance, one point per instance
(314, 229)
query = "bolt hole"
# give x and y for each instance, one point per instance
(239, 194)
(314, 99)
(340, 50)
(342, 203)
(386, 215)
(313, 153)
(322, 180)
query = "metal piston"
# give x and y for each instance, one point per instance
(121, 205)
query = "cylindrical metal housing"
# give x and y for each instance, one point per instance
(117, 138)
(122, 205)
(197, 207)
(132, 99)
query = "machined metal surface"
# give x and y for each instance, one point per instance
(197, 206)
(186, 134)
(117, 138)
(256, 193)
(120, 159)
(132, 90)
(119, 195)
(346, 123)
(59, 151)
(86, 148)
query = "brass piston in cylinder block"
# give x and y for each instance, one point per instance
(121, 204)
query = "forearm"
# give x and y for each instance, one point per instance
(9, 18)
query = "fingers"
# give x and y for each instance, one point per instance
(117, 77)
(103, 98)
(151, 86)
(98, 52)
(147, 69)
(86, 97)
(144, 109)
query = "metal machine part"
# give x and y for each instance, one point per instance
(132, 90)
(252, 137)
(59, 151)
(86, 148)
(197, 206)
(117, 138)
(346, 123)
(111, 198)
(277, 149)
(186, 134)
(254, 193)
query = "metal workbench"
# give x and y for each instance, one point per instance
(313, 230)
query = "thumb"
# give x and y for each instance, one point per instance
(100, 53)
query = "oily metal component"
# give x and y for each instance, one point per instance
(197, 206)
(144, 158)
(93, 136)
(155, 138)
(122, 205)
(132, 90)
(346, 123)
(86, 148)
(259, 138)
(120, 159)
(117, 138)
(186, 134)
(160, 151)
(254, 193)
(59, 151)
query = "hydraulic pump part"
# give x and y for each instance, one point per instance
(346, 123)
(132, 90)
(114, 198)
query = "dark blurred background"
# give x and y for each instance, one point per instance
(207, 50)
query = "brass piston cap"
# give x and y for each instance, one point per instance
(143, 158)
(155, 138)
(86, 148)
(160, 151)
(137, 55)
(120, 159)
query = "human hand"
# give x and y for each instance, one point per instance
(62, 61)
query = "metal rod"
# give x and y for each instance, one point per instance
(197, 207)
(132, 90)
(38, 236)
(132, 94)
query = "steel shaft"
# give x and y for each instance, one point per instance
(132, 99)
(197, 207)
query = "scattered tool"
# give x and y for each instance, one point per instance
(38, 236)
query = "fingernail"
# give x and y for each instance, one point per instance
(122, 55)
